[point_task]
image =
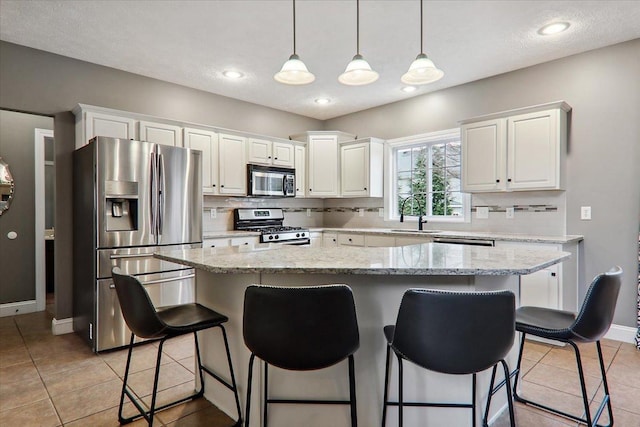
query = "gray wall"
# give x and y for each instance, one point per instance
(40, 82)
(603, 163)
(17, 264)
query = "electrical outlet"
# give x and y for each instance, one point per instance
(585, 213)
(381, 212)
(510, 212)
(308, 212)
(214, 213)
(360, 211)
(482, 212)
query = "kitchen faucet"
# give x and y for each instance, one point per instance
(420, 221)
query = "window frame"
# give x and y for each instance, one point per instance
(391, 196)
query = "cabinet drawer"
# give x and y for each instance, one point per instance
(240, 241)
(215, 243)
(351, 239)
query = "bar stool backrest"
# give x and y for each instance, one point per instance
(300, 328)
(596, 314)
(455, 332)
(137, 309)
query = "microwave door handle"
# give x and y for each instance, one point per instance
(284, 184)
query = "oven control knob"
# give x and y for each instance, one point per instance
(297, 234)
(270, 237)
(302, 235)
(277, 236)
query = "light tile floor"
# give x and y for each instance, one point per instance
(48, 380)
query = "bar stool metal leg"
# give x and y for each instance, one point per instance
(386, 386)
(352, 392)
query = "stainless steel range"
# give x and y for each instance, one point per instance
(268, 222)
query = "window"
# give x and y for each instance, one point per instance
(426, 177)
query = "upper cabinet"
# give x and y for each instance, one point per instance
(160, 133)
(207, 142)
(361, 166)
(322, 172)
(93, 123)
(267, 152)
(523, 149)
(232, 165)
(300, 156)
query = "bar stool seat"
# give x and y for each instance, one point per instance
(146, 322)
(456, 333)
(588, 326)
(300, 329)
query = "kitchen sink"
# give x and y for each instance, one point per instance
(418, 231)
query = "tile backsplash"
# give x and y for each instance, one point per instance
(535, 212)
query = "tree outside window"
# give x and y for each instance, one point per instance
(431, 173)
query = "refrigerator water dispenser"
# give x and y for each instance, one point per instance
(121, 205)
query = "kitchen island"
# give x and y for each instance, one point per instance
(378, 277)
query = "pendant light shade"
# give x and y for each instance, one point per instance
(422, 70)
(293, 71)
(358, 71)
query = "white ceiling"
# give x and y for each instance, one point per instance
(192, 42)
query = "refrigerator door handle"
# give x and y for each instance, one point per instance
(160, 192)
(166, 280)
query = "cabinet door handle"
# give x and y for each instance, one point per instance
(365, 188)
(213, 185)
(222, 186)
(275, 158)
(310, 190)
(509, 180)
(553, 274)
(497, 180)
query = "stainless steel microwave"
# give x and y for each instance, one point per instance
(268, 181)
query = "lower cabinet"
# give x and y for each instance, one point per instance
(329, 239)
(350, 239)
(230, 241)
(374, 240)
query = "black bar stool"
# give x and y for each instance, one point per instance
(589, 325)
(145, 322)
(300, 329)
(451, 333)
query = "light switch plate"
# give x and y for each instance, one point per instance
(214, 213)
(510, 212)
(585, 213)
(482, 212)
(381, 212)
(361, 211)
(308, 212)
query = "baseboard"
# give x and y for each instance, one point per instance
(20, 307)
(62, 326)
(622, 333)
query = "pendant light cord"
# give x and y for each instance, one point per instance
(358, 27)
(294, 27)
(421, 37)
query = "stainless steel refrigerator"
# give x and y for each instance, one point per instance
(131, 199)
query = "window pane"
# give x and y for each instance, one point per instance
(419, 157)
(453, 154)
(437, 155)
(452, 177)
(403, 160)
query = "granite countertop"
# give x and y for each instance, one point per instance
(422, 259)
(512, 237)
(227, 234)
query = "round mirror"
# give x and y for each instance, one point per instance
(6, 186)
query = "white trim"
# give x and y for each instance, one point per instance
(16, 308)
(40, 266)
(62, 326)
(622, 333)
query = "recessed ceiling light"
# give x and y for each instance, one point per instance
(322, 101)
(232, 74)
(553, 28)
(409, 89)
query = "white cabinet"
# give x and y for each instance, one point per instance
(323, 166)
(216, 243)
(160, 133)
(233, 171)
(374, 240)
(329, 239)
(267, 152)
(207, 142)
(300, 154)
(406, 241)
(519, 150)
(350, 239)
(316, 239)
(92, 123)
(245, 241)
(361, 168)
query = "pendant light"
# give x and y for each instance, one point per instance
(422, 70)
(358, 71)
(294, 72)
